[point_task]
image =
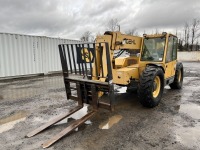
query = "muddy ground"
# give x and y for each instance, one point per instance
(174, 124)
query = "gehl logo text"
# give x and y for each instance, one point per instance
(129, 41)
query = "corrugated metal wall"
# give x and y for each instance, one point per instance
(52, 60)
(24, 54)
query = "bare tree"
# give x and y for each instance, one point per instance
(157, 31)
(180, 39)
(195, 27)
(186, 34)
(113, 25)
(176, 32)
(197, 45)
(87, 36)
(92, 38)
(132, 31)
(98, 34)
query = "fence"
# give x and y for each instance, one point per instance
(189, 56)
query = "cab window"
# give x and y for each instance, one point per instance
(153, 49)
(175, 40)
(171, 49)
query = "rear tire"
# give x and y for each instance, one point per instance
(178, 79)
(151, 86)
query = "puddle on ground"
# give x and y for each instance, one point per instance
(189, 135)
(26, 89)
(16, 94)
(8, 123)
(191, 109)
(111, 121)
(77, 115)
(56, 96)
(37, 119)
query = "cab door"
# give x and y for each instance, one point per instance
(171, 57)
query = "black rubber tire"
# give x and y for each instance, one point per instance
(177, 84)
(146, 86)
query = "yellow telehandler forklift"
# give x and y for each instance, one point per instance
(143, 64)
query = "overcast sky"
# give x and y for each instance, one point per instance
(71, 18)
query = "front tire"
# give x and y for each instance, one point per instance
(151, 86)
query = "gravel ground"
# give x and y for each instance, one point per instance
(25, 104)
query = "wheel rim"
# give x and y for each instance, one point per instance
(179, 76)
(156, 87)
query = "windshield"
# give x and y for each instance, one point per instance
(153, 49)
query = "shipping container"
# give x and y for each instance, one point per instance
(28, 55)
